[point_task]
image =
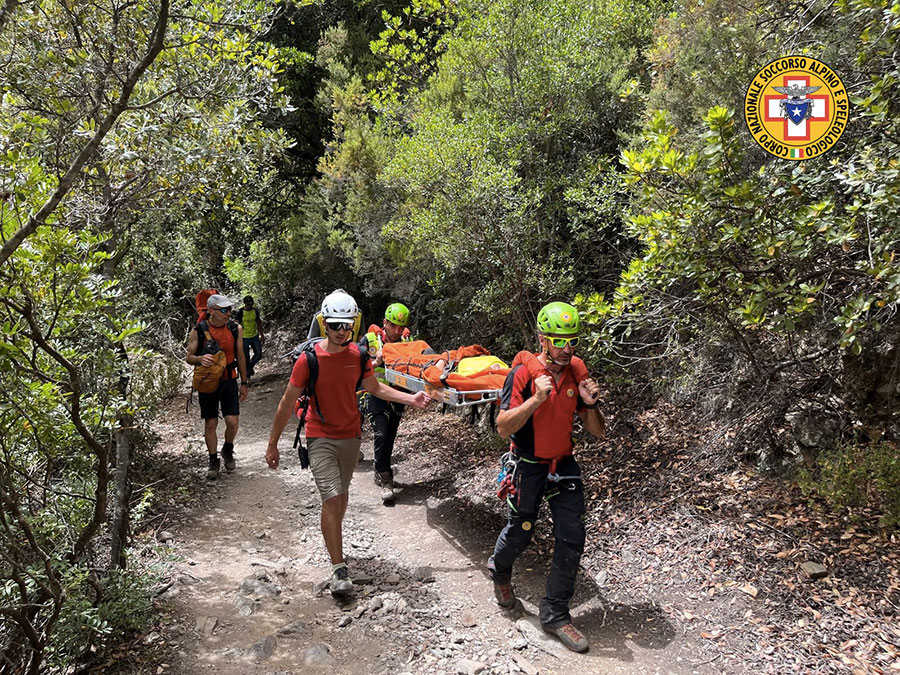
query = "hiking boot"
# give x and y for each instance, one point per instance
(228, 456)
(213, 471)
(505, 595)
(386, 482)
(570, 636)
(340, 581)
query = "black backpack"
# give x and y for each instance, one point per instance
(309, 391)
(208, 345)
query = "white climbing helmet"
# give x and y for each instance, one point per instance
(339, 305)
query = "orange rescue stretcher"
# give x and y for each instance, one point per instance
(460, 377)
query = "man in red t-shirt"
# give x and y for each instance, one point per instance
(228, 337)
(333, 442)
(537, 409)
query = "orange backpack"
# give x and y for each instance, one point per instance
(200, 303)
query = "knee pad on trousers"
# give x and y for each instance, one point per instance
(520, 532)
(572, 536)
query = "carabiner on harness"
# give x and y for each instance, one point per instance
(506, 477)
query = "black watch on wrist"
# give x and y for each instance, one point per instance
(593, 405)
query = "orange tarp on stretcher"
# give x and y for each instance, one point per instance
(407, 357)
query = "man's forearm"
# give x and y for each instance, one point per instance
(594, 422)
(386, 393)
(282, 416)
(510, 421)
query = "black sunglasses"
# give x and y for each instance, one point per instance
(341, 325)
(224, 310)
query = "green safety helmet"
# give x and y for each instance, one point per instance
(558, 318)
(397, 313)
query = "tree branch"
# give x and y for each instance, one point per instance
(68, 180)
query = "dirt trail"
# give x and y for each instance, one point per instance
(248, 592)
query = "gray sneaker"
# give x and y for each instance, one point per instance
(386, 482)
(340, 582)
(214, 465)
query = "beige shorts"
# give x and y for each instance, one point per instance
(332, 461)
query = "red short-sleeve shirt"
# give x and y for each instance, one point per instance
(548, 432)
(336, 391)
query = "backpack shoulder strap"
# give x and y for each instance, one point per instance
(530, 361)
(202, 329)
(312, 362)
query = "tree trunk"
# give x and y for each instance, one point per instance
(123, 493)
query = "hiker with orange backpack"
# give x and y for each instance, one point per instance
(540, 398)
(329, 372)
(385, 415)
(216, 351)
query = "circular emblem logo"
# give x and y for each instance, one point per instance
(570, 392)
(796, 108)
(526, 526)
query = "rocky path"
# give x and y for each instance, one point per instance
(249, 590)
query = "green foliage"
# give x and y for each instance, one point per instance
(859, 476)
(505, 193)
(409, 46)
(86, 624)
(779, 273)
(103, 159)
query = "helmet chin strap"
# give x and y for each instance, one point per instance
(344, 344)
(548, 358)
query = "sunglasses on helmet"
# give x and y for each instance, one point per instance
(561, 342)
(339, 325)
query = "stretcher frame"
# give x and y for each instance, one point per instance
(446, 395)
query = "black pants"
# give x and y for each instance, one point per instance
(385, 416)
(566, 501)
(255, 344)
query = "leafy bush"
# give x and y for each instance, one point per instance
(777, 281)
(859, 475)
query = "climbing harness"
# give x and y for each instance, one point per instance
(509, 463)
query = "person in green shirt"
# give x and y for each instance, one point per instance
(248, 317)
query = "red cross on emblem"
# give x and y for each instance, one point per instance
(797, 132)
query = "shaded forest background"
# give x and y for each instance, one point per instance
(472, 159)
